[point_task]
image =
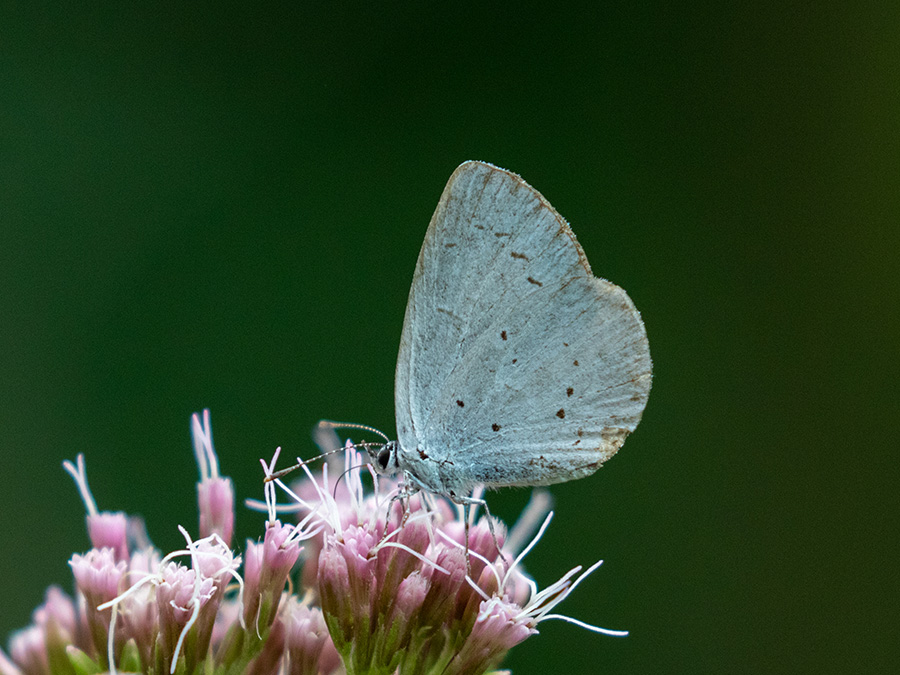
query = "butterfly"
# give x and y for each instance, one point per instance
(517, 366)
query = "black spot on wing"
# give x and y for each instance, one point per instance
(460, 403)
(569, 391)
(502, 334)
(495, 426)
(534, 281)
(561, 414)
(519, 256)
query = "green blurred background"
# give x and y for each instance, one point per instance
(222, 208)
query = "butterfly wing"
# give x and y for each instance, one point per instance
(517, 366)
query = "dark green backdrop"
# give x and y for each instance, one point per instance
(222, 207)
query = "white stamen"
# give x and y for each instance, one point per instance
(480, 592)
(596, 629)
(332, 517)
(556, 590)
(268, 487)
(537, 537)
(354, 481)
(293, 495)
(80, 476)
(587, 573)
(261, 506)
(129, 592)
(475, 554)
(430, 563)
(201, 432)
(532, 586)
(190, 623)
(537, 508)
(110, 643)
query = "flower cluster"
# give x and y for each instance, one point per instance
(390, 583)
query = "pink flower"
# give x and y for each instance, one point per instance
(390, 584)
(266, 570)
(393, 585)
(215, 494)
(183, 597)
(99, 579)
(309, 646)
(105, 530)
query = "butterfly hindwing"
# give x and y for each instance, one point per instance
(516, 365)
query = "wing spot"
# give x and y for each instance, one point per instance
(515, 360)
(495, 426)
(502, 234)
(480, 227)
(569, 391)
(460, 403)
(534, 281)
(577, 442)
(519, 256)
(561, 413)
(565, 344)
(503, 334)
(580, 433)
(449, 245)
(422, 454)
(575, 362)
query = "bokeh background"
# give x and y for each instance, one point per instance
(221, 207)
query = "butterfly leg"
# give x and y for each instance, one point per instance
(406, 491)
(466, 507)
(467, 503)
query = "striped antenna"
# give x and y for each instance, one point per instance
(326, 424)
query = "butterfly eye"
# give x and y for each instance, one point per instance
(383, 458)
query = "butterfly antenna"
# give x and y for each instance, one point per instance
(284, 472)
(327, 424)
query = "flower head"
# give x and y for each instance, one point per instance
(392, 578)
(391, 582)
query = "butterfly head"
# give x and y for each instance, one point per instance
(385, 457)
